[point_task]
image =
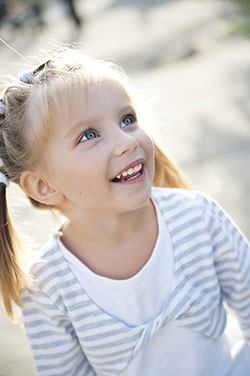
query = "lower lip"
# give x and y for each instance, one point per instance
(139, 178)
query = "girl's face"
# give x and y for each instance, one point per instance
(98, 157)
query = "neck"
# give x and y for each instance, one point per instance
(99, 228)
(114, 246)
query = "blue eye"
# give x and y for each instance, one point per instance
(89, 134)
(127, 120)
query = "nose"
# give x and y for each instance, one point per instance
(124, 142)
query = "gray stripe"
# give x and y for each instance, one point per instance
(186, 225)
(220, 244)
(201, 246)
(107, 334)
(73, 294)
(197, 261)
(176, 217)
(33, 311)
(95, 325)
(179, 306)
(115, 343)
(51, 345)
(187, 238)
(43, 334)
(201, 310)
(124, 359)
(170, 197)
(62, 363)
(63, 284)
(235, 276)
(96, 312)
(244, 311)
(43, 266)
(112, 354)
(56, 275)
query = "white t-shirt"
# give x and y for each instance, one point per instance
(136, 300)
(173, 350)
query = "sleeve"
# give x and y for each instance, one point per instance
(54, 344)
(232, 262)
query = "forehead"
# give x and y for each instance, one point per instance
(88, 99)
(100, 92)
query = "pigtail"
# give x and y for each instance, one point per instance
(11, 274)
(167, 174)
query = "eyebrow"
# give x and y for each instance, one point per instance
(75, 128)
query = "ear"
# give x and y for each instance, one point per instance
(38, 188)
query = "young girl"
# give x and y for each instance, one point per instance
(135, 280)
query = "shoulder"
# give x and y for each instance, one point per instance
(178, 197)
(50, 277)
(49, 267)
(181, 207)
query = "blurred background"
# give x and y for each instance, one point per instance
(190, 63)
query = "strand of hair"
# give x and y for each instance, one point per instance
(13, 49)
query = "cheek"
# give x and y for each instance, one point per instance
(147, 145)
(94, 173)
(150, 146)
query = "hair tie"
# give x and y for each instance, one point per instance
(4, 179)
(26, 77)
(2, 108)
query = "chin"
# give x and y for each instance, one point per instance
(139, 200)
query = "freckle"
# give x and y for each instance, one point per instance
(80, 192)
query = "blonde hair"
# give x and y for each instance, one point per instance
(167, 173)
(26, 122)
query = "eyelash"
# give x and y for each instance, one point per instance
(85, 133)
(131, 116)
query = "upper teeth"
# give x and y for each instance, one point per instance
(130, 171)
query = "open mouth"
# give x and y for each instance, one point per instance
(130, 174)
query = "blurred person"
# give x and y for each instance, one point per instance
(3, 10)
(25, 12)
(77, 19)
(137, 275)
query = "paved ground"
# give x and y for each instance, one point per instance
(195, 82)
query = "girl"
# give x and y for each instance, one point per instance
(136, 275)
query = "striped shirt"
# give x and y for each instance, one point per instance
(70, 335)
